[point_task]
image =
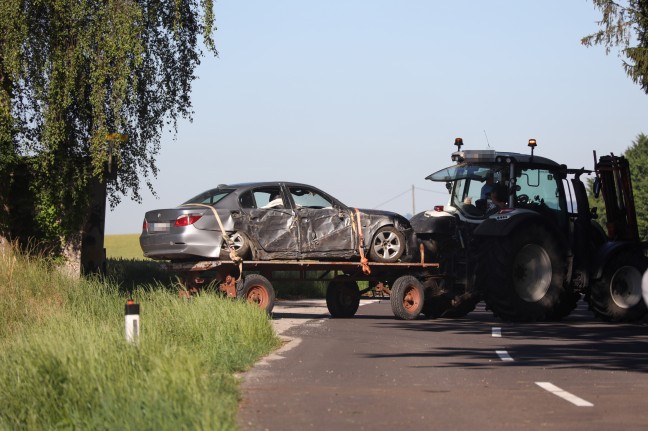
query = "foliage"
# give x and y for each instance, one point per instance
(637, 155)
(65, 364)
(625, 26)
(73, 71)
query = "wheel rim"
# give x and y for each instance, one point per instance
(532, 273)
(411, 298)
(625, 287)
(258, 295)
(387, 245)
(237, 241)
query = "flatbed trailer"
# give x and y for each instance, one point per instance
(405, 283)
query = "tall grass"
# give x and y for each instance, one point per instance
(65, 363)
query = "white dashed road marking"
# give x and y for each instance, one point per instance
(564, 394)
(503, 354)
(497, 332)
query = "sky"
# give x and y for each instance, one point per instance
(364, 98)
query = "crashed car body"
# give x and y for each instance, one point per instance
(273, 221)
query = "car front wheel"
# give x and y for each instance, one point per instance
(387, 245)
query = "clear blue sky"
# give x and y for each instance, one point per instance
(363, 99)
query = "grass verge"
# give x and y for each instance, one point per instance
(65, 363)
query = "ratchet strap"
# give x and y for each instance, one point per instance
(230, 244)
(363, 259)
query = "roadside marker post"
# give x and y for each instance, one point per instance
(132, 322)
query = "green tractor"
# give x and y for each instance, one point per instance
(519, 234)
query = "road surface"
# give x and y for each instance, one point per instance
(373, 372)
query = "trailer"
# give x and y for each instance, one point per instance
(410, 286)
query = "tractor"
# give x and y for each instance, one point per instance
(518, 233)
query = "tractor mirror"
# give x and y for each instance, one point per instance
(449, 186)
(596, 187)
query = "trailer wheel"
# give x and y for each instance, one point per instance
(388, 245)
(342, 297)
(522, 276)
(256, 289)
(407, 297)
(616, 296)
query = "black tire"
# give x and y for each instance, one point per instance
(256, 289)
(617, 296)
(241, 246)
(407, 297)
(387, 245)
(523, 276)
(342, 297)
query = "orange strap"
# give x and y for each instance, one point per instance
(363, 259)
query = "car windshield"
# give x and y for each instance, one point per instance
(210, 197)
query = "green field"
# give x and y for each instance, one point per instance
(123, 246)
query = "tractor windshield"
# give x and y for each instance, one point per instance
(470, 185)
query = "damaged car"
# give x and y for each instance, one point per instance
(274, 221)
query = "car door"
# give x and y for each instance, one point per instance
(272, 223)
(325, 227)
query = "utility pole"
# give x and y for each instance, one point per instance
(413, 203)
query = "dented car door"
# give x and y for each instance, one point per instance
(325, 227)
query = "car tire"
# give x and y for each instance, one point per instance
(387, 245)
(241, 246)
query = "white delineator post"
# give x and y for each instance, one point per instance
(132, 321)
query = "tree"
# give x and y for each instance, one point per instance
(637, 155)
(625, 27)
(73, 72)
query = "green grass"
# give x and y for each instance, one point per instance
(65, 363)
(123, 246)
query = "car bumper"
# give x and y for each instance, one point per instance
(189, 244)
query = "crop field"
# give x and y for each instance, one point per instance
(123, 246)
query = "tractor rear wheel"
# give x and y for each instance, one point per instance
(522, 276)
(616, 296)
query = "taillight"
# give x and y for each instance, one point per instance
(438, 208)
(187, 219)
(145, 226)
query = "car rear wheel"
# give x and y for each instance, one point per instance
(241, 246)
(387, 245)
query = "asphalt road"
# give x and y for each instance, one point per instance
(373, 372)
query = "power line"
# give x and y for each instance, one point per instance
(431, 191)
(395, 197)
